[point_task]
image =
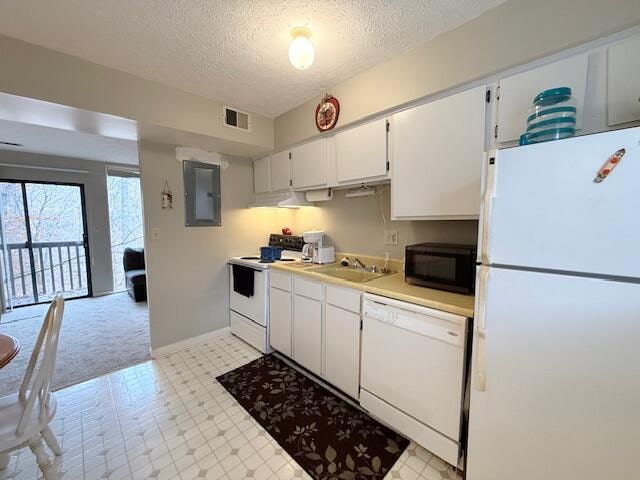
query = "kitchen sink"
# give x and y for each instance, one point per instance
(350, 274)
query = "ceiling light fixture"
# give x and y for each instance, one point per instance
(301, 50)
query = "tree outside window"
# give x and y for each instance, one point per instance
(126, 221)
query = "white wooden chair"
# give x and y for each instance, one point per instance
(25, 416)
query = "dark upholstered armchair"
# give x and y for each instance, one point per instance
(135, 273)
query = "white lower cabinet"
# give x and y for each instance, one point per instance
(342, 349)
(280, 320)
(307, 333)
(318, 326)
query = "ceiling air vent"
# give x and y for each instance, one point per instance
(11, 144)
(236, 119)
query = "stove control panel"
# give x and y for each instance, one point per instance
(287, 242)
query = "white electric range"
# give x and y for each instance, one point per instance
(249, 316)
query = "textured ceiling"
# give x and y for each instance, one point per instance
(236, 51)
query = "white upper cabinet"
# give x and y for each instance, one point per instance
(280, 171)
(624, 82)
(261, 175)
(361, 152)
(309, 164)
(437, 152)
(517, 93)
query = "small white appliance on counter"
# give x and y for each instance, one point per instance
(413, 372)
(249, 315)
(555, 366)
(314, 251)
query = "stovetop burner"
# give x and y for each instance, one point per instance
(249, 258)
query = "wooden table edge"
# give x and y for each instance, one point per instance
(13, 348)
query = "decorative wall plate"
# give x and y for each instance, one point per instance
(327, 113)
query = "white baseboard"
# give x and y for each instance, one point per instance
(189, 342)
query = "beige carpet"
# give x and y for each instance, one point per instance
(98, 335)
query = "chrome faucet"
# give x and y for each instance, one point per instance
(356, 263)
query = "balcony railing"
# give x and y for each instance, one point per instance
(59, 267)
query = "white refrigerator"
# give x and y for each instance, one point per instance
(555, 388)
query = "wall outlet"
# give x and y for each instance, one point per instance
(391, 237)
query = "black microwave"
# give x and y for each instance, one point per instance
(442, 266)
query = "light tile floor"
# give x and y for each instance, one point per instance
(170, 419)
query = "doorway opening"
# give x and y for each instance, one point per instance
(125, 219)
(53, 193)
(43, 235)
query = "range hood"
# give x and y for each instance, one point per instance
(281, 200)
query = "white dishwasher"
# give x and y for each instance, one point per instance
(413, 371)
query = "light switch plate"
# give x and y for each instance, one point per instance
(391, 237)
(155, 234)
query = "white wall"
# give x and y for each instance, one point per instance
(355, 225)
(514, 33)
(96, 199)
(187, 272)
(36, 72)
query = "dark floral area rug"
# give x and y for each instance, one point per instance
(329, 438)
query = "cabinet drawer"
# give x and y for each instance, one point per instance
(344, 298)
(307, 288)
(249, 331)
(280, 280)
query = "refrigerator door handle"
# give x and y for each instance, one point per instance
(480, 335)
(480, 383)
(487, 207)
(486, 222)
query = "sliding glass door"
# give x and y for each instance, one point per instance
(16, 261)
(44, 242)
